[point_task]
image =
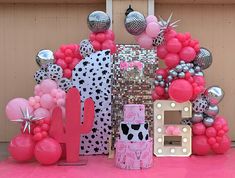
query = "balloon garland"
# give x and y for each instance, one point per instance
(183, 79)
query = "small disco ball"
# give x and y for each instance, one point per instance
(135, 23)
(98, 21)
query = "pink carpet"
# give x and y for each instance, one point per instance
(214, 166)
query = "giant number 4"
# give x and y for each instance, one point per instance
(185, 131)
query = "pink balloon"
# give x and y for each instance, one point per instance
(151, 18)
(200, 80)
(162, 51)
(199, 129)
(200, 145)
(180, 90)
(47, 101)
(47, 151)
(153, 29)
(211, 132)
(21, 147)
(171, 60)
(47, 86)
(14, 106)
(173, 45)
(42, 112)
(145, 41)
(187, 54)
(224, 145)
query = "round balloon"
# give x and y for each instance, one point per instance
(208, 121)
(135, 23)
(200, 104)
(40, 75)
(203, 58)
(21, 148)
(86, 48)
(197, 117)
(14, 107)
(47, 151)
(47, 86)
(212, 111)
(98, 21)
(200, 145)
(44, 58)
(65, 84)
(224, 145)
(214, 94)
(180, 90)
(55, 72)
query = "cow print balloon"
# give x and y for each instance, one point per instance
(40, 75)
(86, 48)
(55, 72)
(186, 122)
(65, 84)
(200, 104)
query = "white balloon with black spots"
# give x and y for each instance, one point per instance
(86, 48)
(65, 84)
(55, 72)
(40, 75)
(200, 104)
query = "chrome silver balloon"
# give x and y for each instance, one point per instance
(199, 73)
(44, 58)
(203, 58)
(162, 83)
(135, 23)
(98, 21)
(159, 78)
(178, 68)
(212, 110)
(214, 94)
(197, 117)
(208, 121)
(181, 75)
(191, 71)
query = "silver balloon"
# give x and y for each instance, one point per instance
(98, 21)
(197, 117)
(181, 75)
(135, 23)
(45, 58)
(200, 104)
(199, 74)
(212, 111)
(204, 58)
(208, 121)
(214, 94)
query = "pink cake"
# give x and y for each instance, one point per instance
(134, 113)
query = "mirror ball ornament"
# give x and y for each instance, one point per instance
(214, 94)
(203, 58)
(212, 111)
(197, 117)
(45, 58)
(208, 121)
(135, 23)
(98, 21)
(200, 104)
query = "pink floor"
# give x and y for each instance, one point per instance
(214, 166)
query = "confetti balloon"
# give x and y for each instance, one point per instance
(200, 104)
(44, 58)
(203, 58)
(98, 21)
(86, 48)
(135, 23)
(214, 94)
(55, 72)
(65, 84)
(208, 121)
(212, 111)
(40, 75)
(197, 117)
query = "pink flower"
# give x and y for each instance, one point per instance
(123, 65)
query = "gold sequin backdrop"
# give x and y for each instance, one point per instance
(29, 25)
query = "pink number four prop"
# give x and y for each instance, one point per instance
(70, 132)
